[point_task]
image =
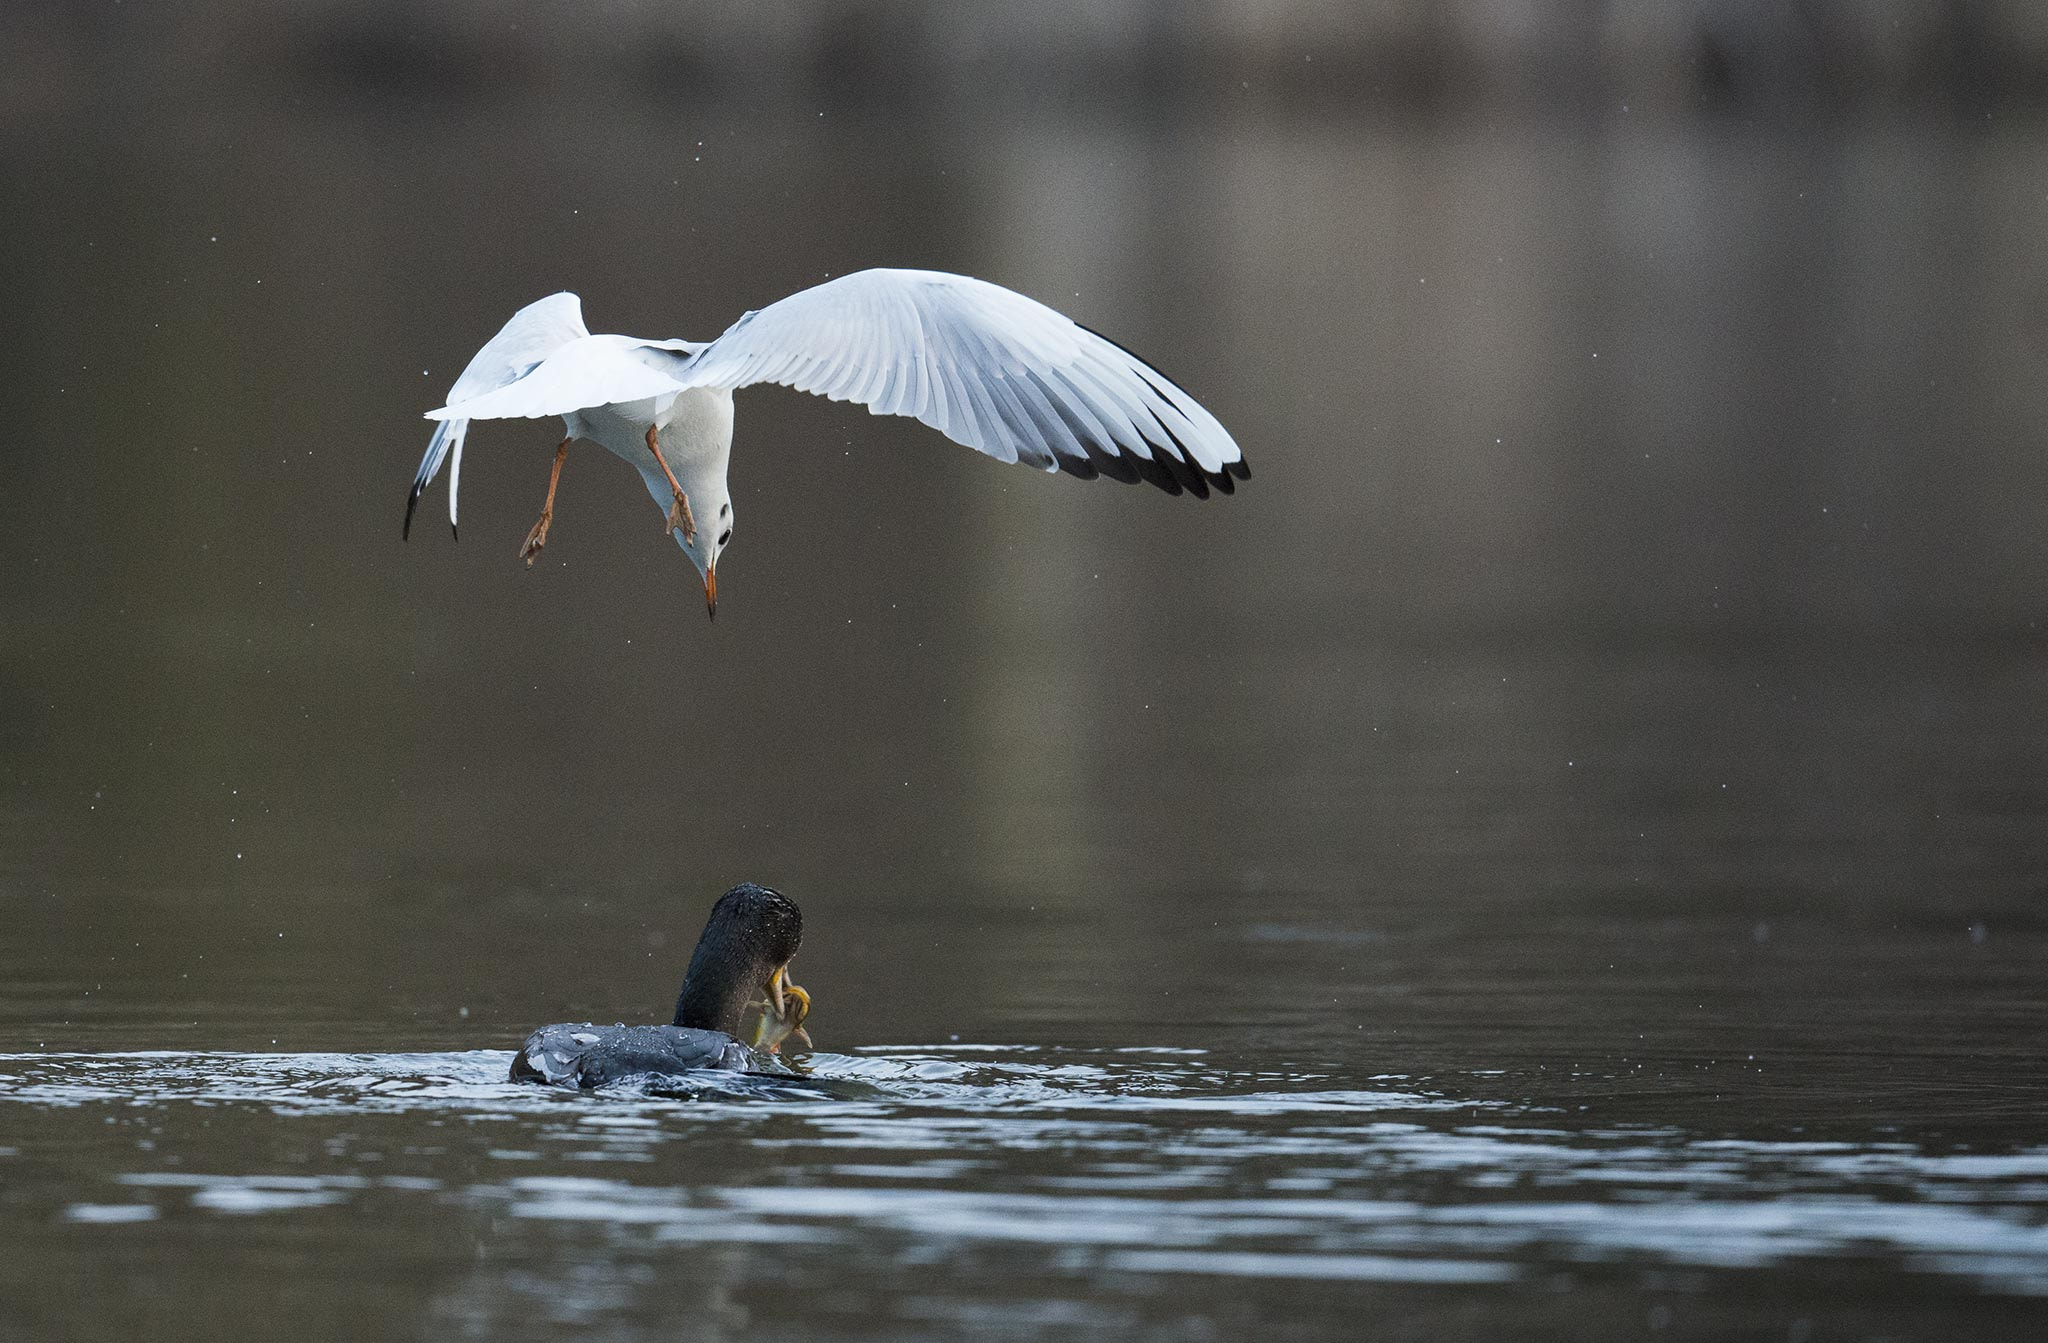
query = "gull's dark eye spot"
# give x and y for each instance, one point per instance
(723, 537)
(725, 510)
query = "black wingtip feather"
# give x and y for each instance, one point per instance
(1189, 475)
(1192, 470)
(1154, 472)
(412, 501)
(1111, 463)
(1171, 469)
(1177, 473)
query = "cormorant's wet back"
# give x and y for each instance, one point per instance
(741, 962)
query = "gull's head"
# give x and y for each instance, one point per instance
(714, 534)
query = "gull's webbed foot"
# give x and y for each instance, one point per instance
(536, 538)
(679, 518)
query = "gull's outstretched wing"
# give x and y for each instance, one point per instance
(983, 365)
(535, 332)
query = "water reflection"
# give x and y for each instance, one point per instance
(1118, 1169)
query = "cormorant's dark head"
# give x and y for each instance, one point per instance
(750, 937)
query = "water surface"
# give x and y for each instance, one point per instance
(1159, 1191)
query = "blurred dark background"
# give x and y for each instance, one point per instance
(1641, 568)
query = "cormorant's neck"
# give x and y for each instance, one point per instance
(715, 995)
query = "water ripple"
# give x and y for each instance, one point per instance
(1097, 1163)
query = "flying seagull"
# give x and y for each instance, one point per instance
(983, 365)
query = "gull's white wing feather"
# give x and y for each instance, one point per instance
(985, 366)
(586, 372)
(535, 332)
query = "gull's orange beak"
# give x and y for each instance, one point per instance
(711, 591)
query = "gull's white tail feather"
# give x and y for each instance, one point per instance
(458, 431)
(446, 442)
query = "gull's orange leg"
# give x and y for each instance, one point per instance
(679, 511)
(538, 537)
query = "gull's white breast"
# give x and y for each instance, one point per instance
(694, 428)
